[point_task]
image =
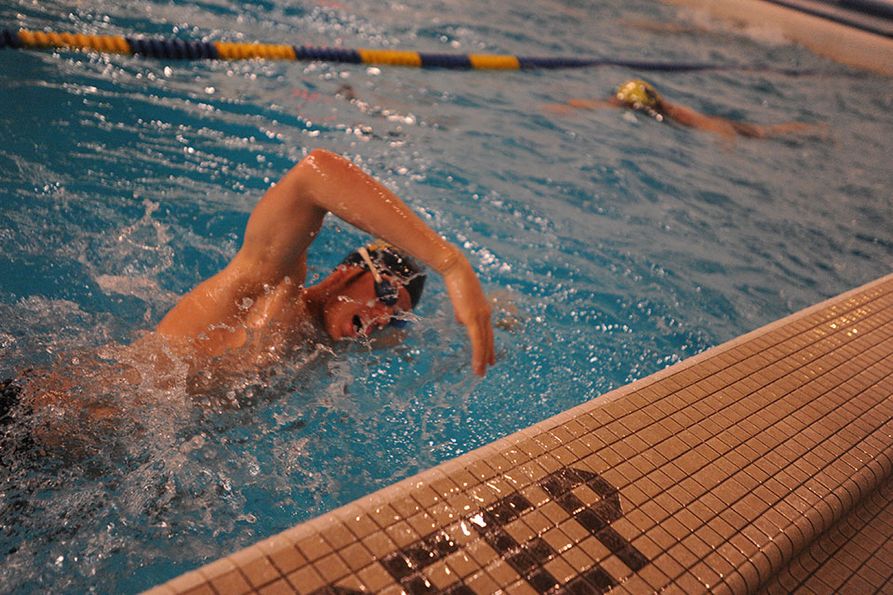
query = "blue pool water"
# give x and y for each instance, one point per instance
(614, 245)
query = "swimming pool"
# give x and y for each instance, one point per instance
(618, 245)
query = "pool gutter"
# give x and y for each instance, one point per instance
(763, 463)
(862, 37)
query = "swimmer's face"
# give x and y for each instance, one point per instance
(355, 310)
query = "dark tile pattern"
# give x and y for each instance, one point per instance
(529, 557)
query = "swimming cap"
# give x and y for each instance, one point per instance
(391, 261)
(638, 94)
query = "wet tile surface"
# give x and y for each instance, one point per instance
(761, 464)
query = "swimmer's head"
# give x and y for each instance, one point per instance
(378, 283)
(639, 95)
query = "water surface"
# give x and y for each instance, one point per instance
(620, 244)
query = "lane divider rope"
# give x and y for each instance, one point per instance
(179, 49)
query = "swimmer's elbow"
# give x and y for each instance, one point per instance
(321, 154)
(321, 162)
(325, 178)
(318, 169)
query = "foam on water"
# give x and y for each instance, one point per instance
(613, 245)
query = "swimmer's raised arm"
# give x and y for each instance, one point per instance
(333, 184)
(324, 182)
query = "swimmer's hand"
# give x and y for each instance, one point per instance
(472, 310)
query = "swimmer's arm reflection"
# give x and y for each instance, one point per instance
(263, 284)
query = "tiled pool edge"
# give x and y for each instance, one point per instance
(541, 505)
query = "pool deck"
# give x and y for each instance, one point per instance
(764, 464)
(800, 21)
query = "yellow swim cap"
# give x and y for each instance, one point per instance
(638, 94)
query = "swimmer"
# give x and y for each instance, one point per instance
(641, 96)
(258, 307)
(260, 296)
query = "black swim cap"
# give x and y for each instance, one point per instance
(391, 261)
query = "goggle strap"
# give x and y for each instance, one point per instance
(384, 290)
(364, 254)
